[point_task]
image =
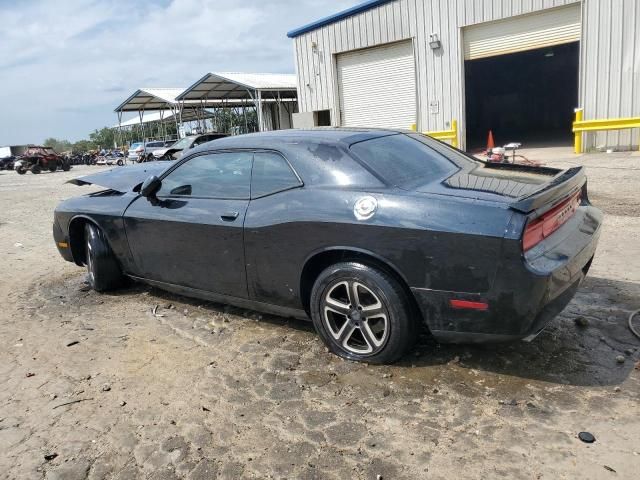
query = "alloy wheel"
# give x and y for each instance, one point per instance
(355, 317)
(90, 262)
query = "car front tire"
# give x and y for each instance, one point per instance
(362, 313)
(102, 266)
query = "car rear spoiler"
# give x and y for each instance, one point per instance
(562, 185)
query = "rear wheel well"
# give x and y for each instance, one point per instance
(316, 264)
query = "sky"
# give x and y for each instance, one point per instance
(66, 64)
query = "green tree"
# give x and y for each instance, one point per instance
(83, 146)
(103, 138)
(58, 145)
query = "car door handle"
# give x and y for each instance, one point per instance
(229, 216)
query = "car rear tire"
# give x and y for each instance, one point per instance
(66, 166)
(36, 169)
(362, 313)
(20, 170)
(103, 268)
(53, 166)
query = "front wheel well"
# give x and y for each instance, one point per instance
(76, 240)
(316, 264)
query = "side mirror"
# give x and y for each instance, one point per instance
(150, 186)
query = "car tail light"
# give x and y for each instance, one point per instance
(540, 228)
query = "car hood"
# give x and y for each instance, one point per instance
(160, 152)
(122, 179)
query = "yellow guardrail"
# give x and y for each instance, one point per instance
(444, 135)
(580, 126)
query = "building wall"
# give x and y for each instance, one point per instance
(610, 83)
(611, 67)
(282, 115)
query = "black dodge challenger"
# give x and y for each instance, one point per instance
(371, 233)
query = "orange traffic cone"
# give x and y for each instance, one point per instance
(490, 144)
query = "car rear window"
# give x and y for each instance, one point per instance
(271, 173)
(403, 160)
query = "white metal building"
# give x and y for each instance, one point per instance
(516, 67)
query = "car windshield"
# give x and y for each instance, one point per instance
(406, 160)
(135, 145)
(183, 143)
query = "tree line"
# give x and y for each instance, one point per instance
(109, 138)
(224, 120)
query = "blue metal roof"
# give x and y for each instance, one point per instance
(363, 7)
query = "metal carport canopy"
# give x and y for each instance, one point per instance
(214, 87)
(145, 99)
(151, 117)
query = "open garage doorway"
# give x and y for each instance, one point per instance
(527, 97)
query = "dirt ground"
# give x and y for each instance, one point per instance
(204, 391)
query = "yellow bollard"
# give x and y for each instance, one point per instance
(414, 127)
(577, 142)
(454, 127)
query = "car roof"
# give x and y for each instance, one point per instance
(347, 136)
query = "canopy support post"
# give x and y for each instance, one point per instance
(260, 119)
(244, 114)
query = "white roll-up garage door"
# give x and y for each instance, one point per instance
(377, 87)
(527, 32)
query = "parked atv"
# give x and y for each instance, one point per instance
(6, 163)
(36, 159)
(75, 158)
(90, 158)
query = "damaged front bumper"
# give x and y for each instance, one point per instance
(62, 242)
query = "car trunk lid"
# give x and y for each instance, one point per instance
(563, 185)
(510, 184)
(547, 197)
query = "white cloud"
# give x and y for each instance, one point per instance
(65, 65)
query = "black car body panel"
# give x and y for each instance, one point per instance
(122, 179)
(211, 251)
(451, 236)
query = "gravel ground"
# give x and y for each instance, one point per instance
(96, 386)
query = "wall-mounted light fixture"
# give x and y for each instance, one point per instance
(434, 41)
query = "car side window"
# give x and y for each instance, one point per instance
(201, 140)
(271, 174)
(212, 175)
